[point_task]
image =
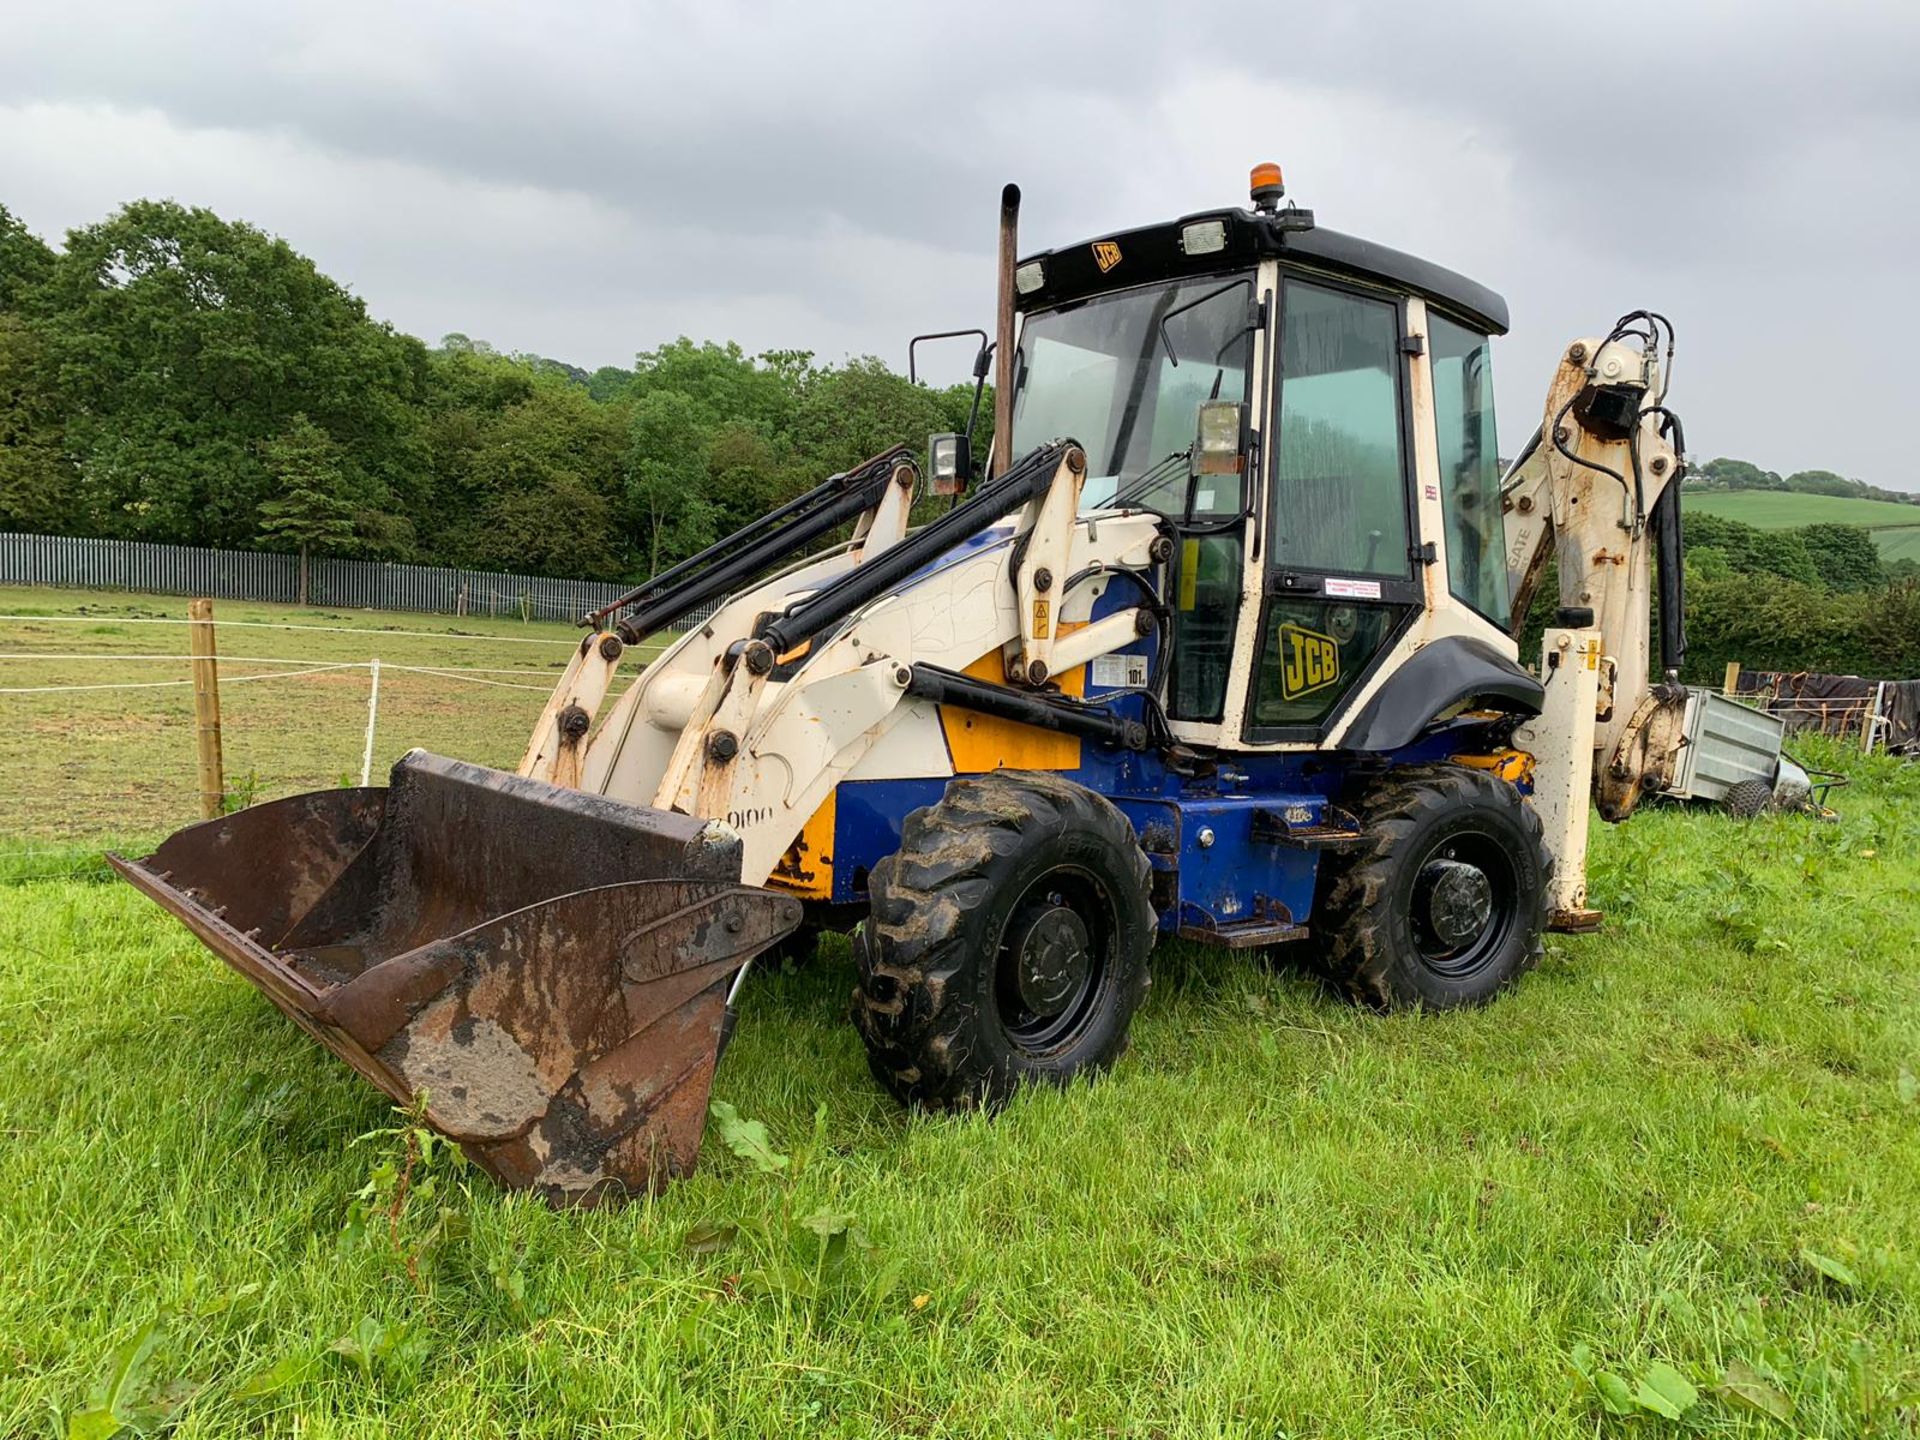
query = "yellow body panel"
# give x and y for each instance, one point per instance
(979, 743)
(807, 867)
(1513, 766)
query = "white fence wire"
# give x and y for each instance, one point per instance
(97, 749)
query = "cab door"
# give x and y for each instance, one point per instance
(1341, 545)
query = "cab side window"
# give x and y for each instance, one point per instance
(1339, 496)
(1469, 468)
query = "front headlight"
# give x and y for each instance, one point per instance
(949, 464)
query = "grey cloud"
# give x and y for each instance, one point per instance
(589, 180)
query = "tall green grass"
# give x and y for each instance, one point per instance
(1687, 1146)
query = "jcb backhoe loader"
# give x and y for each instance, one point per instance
(1220, 646)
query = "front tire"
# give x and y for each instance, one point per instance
(1445, 904)
(1006, 944)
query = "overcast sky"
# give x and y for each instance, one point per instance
(588, 180)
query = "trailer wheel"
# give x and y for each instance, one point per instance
(1006, 944)
(1446, 903)
(1746, 799)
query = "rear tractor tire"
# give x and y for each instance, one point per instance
(1445, 903)
(1006, 944)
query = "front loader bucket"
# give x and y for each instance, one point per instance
(550, 967)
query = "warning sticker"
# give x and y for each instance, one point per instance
(1042, 619)
(1353, 589)
(1115, 672)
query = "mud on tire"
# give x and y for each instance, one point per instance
(1445, 904)
(1006, 944)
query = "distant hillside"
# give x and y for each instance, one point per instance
(1895, 528)
(1726, 473)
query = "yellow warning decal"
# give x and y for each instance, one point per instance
(1309, 661)
(1106, 254)
(1042, 619)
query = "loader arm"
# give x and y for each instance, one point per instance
(876, 496)
(757, 734)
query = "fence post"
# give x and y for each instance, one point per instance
(206, 708)
(1732, 687)
(373, 719)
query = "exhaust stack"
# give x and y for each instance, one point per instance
(1003, 333)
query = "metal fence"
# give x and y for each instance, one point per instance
(249, 575)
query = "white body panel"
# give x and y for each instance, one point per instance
(1561, 742)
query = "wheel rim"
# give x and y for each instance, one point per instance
(1053, 960)
(1464, 904)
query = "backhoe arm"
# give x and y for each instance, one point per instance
(1596, 489)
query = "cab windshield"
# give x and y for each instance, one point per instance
(1124, 374)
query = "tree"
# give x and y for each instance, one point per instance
(537, 482)
(1823, 482)
(1752, 551)
(861, 408)
(667, 475)
(183, 344)
(25, 264)
(310, 512)
(609, 382)
(563, 528)
(39, 487)
(38, 483)
(722, 383)
(1707, 562)
(1845, 556)
(1726, 474)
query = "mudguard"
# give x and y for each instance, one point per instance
(1438, 678)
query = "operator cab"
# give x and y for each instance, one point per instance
(1314, 416)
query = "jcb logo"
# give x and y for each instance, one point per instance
(1106, 255)
(1309, 661)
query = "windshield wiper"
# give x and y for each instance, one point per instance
(1194, 304)
(1147, 479)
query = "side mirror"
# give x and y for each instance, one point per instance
(1219, 442)
(949, 464)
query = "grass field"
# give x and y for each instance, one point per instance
(1896, 528)
(1687, 1149)
(84, 764)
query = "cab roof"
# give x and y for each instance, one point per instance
(1156, 252)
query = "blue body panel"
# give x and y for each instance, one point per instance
(1233, 879)
(1230, 880)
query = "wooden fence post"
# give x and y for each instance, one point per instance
(206, 709)
(1732, 687)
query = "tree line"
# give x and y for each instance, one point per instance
(1729, 474)
(172, 376)
(169, 375)
(1817, 598)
